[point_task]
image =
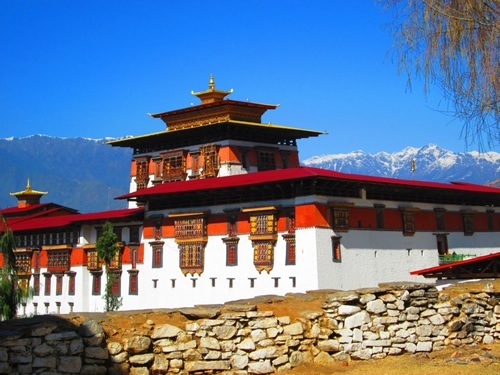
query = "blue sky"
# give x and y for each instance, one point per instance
(95, 69)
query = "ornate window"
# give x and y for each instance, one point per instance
(23, 262)
(336, 249)
(96, 283)
(58, 260)
(116, 262)
(94, 263)
(263, 234)
(266, 160)
(231, 241)
(133, 282)
(290, 238)
(157, 247)
(59, 285)
(468, 220)
(192, 257)
(340, 213)
(210, 160)
(190, 235)
(408, 219)
(231, 250)
(71, 283)
(47, 283)
(195, 164)
(142, 173)
(174, 166)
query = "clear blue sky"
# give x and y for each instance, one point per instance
(95, 69)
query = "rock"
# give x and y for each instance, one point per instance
(70, 364)
(114, 347)
(357, 320)
(348, 309)
(61, 336)
(137, 344)
(362, 354)
(42, 350)
(264, 323)
(160, 364)
(200, 312)
(293, 329)
(328, 345)
(424, 346)
(437, 319)
(96, 353)
(263, 367)
(225, 332)
(324, 359)
(165, 331)
(376, 306)
(209, 343)
(246, 345)
(206, 366)
(141, 359)
(270, 352)
(296, 358)
(120, 357)
(239, 362)
(89, 328)
(95, 370)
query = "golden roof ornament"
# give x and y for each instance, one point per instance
(28, 191)
(212, 94)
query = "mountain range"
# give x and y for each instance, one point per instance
(86, 174)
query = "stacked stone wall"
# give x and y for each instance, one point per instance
(237, 338)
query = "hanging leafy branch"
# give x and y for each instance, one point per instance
(455, 45)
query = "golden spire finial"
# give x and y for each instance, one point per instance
(28, 186)
(211, 82)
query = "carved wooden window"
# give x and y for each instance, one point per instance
(174, 166)
(142, 173)
(341, 218)
(47, 283)
(263, 234)
(59, 285)
(96, 283)
(157, 168)
(116, 262)
(468, 220)
(264, 223)
(190, 235)
(189, 227)
(195, 165)
(408, 218)
(192, 257)
(134, 254)
(94, 263)
(336, 249)
(440, 222)
(36, 284)
(266, 160)
(58, 261)
(23, 262)
(210, 160)
(157, 248)
(133, 282)
(231, 251)
(36, 260)
(71, 283)
(290, 249)
(263, 255)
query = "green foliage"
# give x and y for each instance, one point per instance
(11, 293)
(107, 247)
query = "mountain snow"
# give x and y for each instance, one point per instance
(432, 163)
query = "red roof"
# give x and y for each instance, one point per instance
(279, 175)
(448, 268)
(20, 224)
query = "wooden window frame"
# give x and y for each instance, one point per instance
(440, 218)
(157, 254)
(408, 220)
(59, 285)
(468, 223)
(96, 283)
(336, 249)
(71, 283)
(47, 277)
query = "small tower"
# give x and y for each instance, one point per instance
(28, 197)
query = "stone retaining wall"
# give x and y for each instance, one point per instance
(236, 338)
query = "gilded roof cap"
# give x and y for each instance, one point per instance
(212, 94)
(29, 191)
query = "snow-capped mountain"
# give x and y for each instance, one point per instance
(432, 163)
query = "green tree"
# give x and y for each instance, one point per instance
(107, 247)
(455, 45)
(11, 293)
